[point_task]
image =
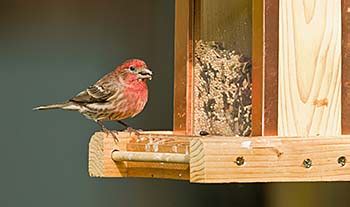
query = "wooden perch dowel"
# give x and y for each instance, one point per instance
(150, 157)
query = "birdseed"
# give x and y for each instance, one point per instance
(223, 90)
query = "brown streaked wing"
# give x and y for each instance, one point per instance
(93, 94)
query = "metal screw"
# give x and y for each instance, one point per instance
(203, 133)
(240, 161)
(342, 161)
(307, 163)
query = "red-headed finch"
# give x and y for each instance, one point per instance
(118, 95)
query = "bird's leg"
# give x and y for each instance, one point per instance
(123, 123)
(107, 130)
(128, 128)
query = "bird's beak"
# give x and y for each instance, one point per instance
(145, 74)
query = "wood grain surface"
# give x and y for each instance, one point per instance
(102, 146)
(345, 67)
(309, 98)
(269, 159)
(265, 67)
(183, 87)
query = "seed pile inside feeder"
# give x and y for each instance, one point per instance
(222, 90)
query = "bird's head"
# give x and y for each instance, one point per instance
(135, 70)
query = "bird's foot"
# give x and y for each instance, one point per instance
(113, 133)
(107, 131)
(132, 130)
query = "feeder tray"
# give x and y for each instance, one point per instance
(271, 108)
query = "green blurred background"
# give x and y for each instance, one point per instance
(52, 49)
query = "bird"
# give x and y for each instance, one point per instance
(118, 95)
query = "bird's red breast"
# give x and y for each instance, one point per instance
(137, 96)
(134, 90)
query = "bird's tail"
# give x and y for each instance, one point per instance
(65, 106)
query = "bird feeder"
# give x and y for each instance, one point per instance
(262, 94)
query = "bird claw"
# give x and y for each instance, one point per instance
(132, 130)
(115, 137)
(107, 131)
(112, 133)
(115, 131)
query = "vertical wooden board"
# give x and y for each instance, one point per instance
(309, 68)
(271, 26)
(257, 62)
(265, 67)
(183, 67)
(345, 67)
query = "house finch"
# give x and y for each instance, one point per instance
(118, 95)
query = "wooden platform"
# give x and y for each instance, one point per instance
(214, 159)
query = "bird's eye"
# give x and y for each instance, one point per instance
(132, 69)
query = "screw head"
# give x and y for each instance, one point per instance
(307, 163)
(342, 161)
(203, 133)
(240, 161)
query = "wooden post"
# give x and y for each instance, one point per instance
(345, 100)
(296, 86)
(309, 98)
(183, 105)
(265, 67)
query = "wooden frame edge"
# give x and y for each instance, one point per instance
(345, 100)
(265, 67)
(183, 91)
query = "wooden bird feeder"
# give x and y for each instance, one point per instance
(262, 94)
